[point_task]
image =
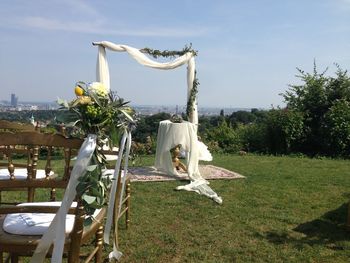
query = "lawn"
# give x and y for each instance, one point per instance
(286, 210)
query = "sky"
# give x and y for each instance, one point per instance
(248, 50)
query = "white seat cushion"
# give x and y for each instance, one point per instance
(22, 174)
(36, 223)
(110, 173)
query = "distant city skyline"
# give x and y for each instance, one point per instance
(248, 51)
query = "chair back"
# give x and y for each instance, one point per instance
(31, 158)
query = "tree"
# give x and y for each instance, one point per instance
(313, 100)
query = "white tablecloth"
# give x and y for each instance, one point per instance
(171, 134)
(185, 133)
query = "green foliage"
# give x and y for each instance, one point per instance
(192, 97)
(321, 101)
(99, 112)
(337, 120)
(166, 53)
(242, 117)
(226, 138)
(254, 137)
(284, 127)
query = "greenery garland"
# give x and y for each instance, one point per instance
(193, 94)
(166, 53)
(172, 54)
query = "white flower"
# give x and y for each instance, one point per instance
(98, 88)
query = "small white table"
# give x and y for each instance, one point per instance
(171, 134)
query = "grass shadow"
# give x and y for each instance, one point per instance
(329, 230)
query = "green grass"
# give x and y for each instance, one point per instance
(286, 210)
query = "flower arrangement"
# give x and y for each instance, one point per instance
(95, 111)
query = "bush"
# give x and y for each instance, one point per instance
(226, 138)
(253, 137)
(337, 121)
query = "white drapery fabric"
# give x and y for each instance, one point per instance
(56, 232)
(102, 70)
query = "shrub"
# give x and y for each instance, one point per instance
(337, 121)
(226, 138)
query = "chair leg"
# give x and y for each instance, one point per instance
(30, 197)
(14, 258)
(53, 194)
(99, 244)
(127, 215)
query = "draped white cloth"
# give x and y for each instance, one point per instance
(102, 70)
(56, 231)
(185, 133)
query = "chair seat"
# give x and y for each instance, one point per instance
(22, 174)
(110, 173)
(14, 243)
(36, 223)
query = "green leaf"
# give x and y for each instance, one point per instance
(81, 188)
(91, 168)
(89, 199)
(95, 98)
(126, 114)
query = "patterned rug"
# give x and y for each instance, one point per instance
(209, 172)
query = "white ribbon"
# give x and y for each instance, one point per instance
(126, 140)
(103, 71)
(56, 231)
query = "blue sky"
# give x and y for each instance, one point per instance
(248, 49)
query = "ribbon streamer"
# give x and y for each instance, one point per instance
(126, 141)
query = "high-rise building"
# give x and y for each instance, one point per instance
(14, 100)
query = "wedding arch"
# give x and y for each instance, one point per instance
(198, 150)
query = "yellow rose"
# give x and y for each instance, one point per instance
(98, 88)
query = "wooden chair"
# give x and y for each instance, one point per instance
(16, 245)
